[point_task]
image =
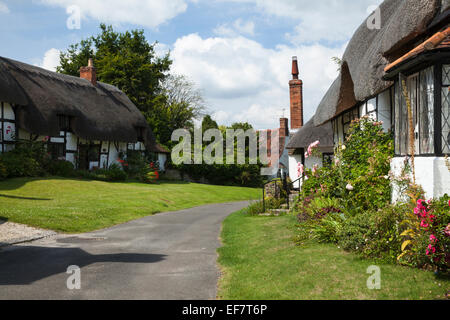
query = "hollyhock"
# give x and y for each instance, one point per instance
(315, 168)
(300, 169)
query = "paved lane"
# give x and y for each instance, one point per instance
(166, 256)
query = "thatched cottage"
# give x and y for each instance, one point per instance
(86, 122)
(413, 44)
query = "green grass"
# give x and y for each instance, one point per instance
(73, 206)
(259, 261)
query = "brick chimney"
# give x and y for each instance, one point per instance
(296, 95)
(89, 72)
(284, 127)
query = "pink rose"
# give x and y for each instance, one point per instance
(433, 239)
(423, 224)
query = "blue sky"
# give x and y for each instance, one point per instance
(238, 52)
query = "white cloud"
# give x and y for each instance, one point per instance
(3, 8)
(50, 60)
(244, 81)
(329, 20)
(149, 13)
(238, 27)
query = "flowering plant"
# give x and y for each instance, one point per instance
(430, 237)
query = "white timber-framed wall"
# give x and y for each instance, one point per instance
(8, 133)
(67, 146)
(378, 108)
(428, 88)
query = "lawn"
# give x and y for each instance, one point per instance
(259, 261)
(73, 206)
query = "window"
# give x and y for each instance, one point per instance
(445, 111)
(56, 150)
(347, 118)
(426, 111)
(420, 87)
(327, 159)
(64, 123)
(371, 110)
(140, 134)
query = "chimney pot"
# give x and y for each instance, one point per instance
(295, 72)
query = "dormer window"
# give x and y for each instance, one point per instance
(64, 123)
(140, 134)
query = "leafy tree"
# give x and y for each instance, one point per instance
(241, 125)
(209, 123)
(125, 60)
(182, 104)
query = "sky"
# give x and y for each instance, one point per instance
(237, 52)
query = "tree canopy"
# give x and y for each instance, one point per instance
(125, 60)
(128, 61)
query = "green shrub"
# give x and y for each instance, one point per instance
(257, 208)
(384, 237)
(20, 164)
(115, 173)
(61, 168)
(324, 230)
(354, 233)
(359, 175)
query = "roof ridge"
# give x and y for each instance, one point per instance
(53, 74)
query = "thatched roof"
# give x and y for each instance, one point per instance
(370, 51)
(101, 112)
(310, 133)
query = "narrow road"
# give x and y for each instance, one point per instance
(166, 256)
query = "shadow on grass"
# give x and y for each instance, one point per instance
(25, 265)
(23, 198)
(3, 220)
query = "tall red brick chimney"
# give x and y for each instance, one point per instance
(296, 95)
(89, 72)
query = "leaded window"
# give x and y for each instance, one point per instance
(420, 88)
(445, 110)
(426, 111)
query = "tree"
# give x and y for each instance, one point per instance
(183, 103)
(208, 123)
(125, 60)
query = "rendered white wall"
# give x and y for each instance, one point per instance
(293, 174)
(431, 173)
